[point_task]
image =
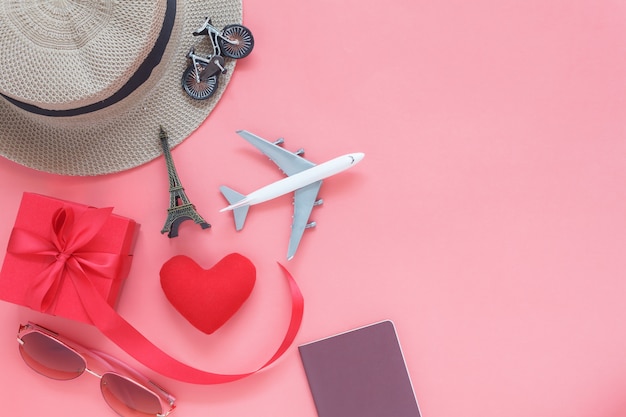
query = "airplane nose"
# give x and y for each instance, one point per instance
(356, 157)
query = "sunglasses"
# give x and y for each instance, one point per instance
(126, 391)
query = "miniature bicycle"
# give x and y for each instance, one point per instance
(200, 79)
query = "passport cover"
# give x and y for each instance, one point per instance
(360, 373)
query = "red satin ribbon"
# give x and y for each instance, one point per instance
(68, 238)
(64, 247)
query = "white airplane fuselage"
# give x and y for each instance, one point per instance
(299, 180)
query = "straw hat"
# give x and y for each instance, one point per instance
(85, 84)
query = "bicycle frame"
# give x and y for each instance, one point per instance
(214, 64)
(213, 33)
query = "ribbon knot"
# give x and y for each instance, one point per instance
(62, 257)
(64, 250)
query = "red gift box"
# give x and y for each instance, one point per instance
(56, 242)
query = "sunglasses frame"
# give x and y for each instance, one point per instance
(106, 365)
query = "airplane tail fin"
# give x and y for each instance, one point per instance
(239, 213)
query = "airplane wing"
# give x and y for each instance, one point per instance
(287, 161)
(303, 202)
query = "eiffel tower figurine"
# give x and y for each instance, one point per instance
(180, 208)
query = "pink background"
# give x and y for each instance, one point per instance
(487, 220)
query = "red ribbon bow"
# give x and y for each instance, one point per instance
(66, 248)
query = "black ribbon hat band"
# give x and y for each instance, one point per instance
(137, 79)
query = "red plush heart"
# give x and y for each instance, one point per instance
(207, 298)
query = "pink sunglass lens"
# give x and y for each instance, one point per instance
(127, 398)
(50, 357)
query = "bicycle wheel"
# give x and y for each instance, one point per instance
(198, 90)
(242, 36)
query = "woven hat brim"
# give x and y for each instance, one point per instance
(126, 134)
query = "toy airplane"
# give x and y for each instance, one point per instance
(303, 176)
